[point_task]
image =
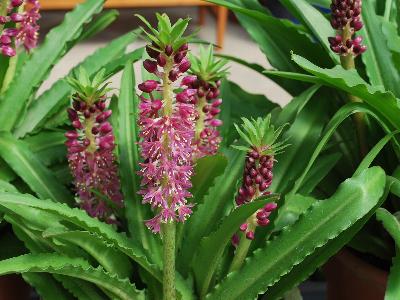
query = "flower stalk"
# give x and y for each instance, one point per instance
(346, 19)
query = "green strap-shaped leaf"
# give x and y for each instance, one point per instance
(36, 69)
(315, 22)
(98, 24)
(392, 225)
(112, 260)
(378, 59)
(206, 217)
(46, 286)
(81, 219)
(57, 96)
(207, 169)
(72, 267)
(48, 146)
(211, 248)
(324, 222)
(28, 166)
(350, 82)
(135, 212)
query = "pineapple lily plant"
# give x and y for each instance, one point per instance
(183, 185)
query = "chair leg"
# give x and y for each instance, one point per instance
(222, 18)
(202, 15)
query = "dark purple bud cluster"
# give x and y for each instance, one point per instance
(257, 178)
(205, 96)
(22, 28)
(346, 19)
(160, 58)
(91, 159)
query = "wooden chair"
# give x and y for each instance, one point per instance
(221, 12)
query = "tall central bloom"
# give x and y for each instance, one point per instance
(166, 128)
(22, 28)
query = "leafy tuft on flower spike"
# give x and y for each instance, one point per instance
(205, 79)
(90, 147)
(166, 125)
(261, 137)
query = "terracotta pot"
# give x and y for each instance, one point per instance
(13, 287)
(351, 278)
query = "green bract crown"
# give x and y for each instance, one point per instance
(206, 66)
(261, 135)
(166, 33)
(86, 89)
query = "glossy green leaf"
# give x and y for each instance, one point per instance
(212, 247)
(46, 286)
(28, 166)
(324, 222)
(73, 267)
(206, 216)
(98, 24)
(207, 169)
(82, 220)
(36, 69)
(378, 59)
(391, 224)
(56, 97)
(111, 260)
(350, 82)
(315, 22)
(393, 285)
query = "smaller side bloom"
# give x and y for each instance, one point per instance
(90, 151)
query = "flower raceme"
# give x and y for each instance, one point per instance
(166, 121)
(346, 19)
(261, 138)
(205, 79)
(22, 28)
(90, 148)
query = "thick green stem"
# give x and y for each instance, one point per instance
(200, 122)
(169, 235)
(168, 229)
(347, 62)
(241, 251)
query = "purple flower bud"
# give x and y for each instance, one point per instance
(217, 103)
(16, 3)
(156, 104)
(8, 51)
(184, 47)
(101, 105)
(5, 40)
(188, 80)
(12, 32)
(216, 123)
(103, 116)
(151, 52)
(77, 124)
(270, 206)
(214, 111)
(357, 40)
(148, 86)
(178, 57)
(168, 50)
(71, 135)
(105, 128)
(173, 75)
(95, 130)
(182, 97)
(4, 20)
(185, 65)
(150, 65)
(15, 17)
(263, 222)
(161, 60)
(72, 114)
(357, 25)
(250, 235)
(243, 227)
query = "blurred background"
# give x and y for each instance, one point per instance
(234, 39)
